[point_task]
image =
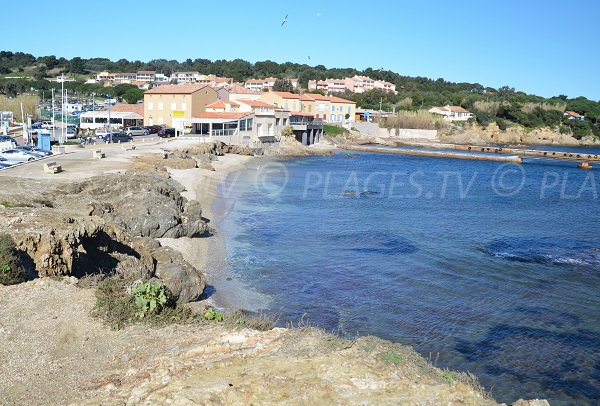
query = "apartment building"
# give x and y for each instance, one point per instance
(173, 105)
(185, 77)
(356, 84)
(145, 76)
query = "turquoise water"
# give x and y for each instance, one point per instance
(492, 266)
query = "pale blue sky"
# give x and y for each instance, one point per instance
(547, 47)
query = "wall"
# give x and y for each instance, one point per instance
(373, 130)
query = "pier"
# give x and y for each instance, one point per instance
(482, 153)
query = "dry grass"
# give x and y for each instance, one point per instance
(419, 120)
(491, 107)
(531, 107)
(30, 104)
(404, 103)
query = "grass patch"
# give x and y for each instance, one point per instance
(256, 321)
(449, 377)
(11, 269)
(391, 357)
(333, 130)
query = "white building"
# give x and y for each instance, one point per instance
(452, 113)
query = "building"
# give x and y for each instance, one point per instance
(266, 84)
(355, 84)
(185, 77)
(452, 113)
(145, 76)
(237, 92)
(328, 85)
(572, 115)
(121, 116)
(327, 108)
(173, 105)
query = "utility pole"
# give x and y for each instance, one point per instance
(62, 106)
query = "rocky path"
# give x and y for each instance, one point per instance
(53, 352)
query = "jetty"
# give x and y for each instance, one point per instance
(481, 153)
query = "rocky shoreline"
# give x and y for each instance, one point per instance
(146, 213)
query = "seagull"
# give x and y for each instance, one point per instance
(284, 20)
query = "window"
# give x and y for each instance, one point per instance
(277, 120)
(184, 106)
(242, 125)
(173, 106)
(160, 107)
(332, 117)
(332, 108)
(349, 109)
(340, 118)
(205, 128)
(150, 106)
(249, 124)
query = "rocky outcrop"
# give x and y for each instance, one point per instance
(491, 134)
(107, 223)
(144, 205)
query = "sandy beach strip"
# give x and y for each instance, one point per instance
(208, 254)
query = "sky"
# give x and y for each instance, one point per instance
(545, 47)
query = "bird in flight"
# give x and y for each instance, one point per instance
(284, 20)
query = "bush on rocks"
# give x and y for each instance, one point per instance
(11, 270)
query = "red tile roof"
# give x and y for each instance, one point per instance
(226, 115)
(221, 104)
(176, 89)
(573, 114)
(256, 103)
(237, 89)
(128, 108)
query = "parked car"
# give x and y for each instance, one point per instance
(135, 131)
(35, 150)
(5, 138)
(47, 125)
(4, 163)
(118, 137)
(153, 129)
(71, 132)
(166, 132)
(18, 155)
(36, 126)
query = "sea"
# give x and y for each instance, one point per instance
(484, 267)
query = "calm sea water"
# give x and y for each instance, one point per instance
(494, 266)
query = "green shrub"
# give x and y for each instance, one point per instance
(214, 314)
(333, 130)
(391, 357)
(149, 298)
(11, 270)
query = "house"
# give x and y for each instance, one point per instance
(289, 101)
(333, 109)
(224, 106)
(572, 115)
(237, 92)
(452, 113)
(125, 77)
(172, 105)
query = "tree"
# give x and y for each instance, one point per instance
(76, 65)
(283, 85)
(133, 95)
